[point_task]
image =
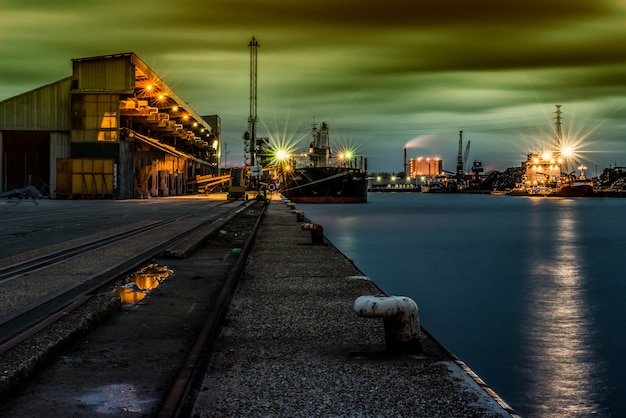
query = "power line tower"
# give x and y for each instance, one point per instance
(250, 136)
(558, 140)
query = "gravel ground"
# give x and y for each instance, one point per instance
(111, 360)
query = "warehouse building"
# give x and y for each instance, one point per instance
(113, 129)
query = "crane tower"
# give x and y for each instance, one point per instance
(459, 160)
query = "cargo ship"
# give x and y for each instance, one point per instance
(324, 178)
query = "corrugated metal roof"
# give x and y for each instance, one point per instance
(164, 147)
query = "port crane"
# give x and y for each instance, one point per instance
(461, 162)
(467, 149)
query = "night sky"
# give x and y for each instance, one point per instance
(382, 74)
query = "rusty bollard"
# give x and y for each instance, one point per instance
(299, 215)
(400, 318)
(317, 232)
(291, 205)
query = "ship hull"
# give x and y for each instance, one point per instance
(576, 190)
(325, 185)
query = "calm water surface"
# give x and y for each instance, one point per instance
(529, 292)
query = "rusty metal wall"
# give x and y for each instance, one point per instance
(60, 147)
(113, 74)
(43, 109)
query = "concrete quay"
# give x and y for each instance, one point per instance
(293, 346)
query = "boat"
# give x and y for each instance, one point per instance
(324, 178)
(580, 187)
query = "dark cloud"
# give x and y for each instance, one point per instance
(379, 72)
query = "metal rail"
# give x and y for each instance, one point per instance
(18, 326)
(16, 270)
(179, 397)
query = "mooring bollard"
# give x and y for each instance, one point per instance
(317, 232)
(299, 215)
(291, 205)
(400, 318)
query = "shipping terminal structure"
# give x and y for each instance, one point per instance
(113, 129)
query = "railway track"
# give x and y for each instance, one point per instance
(17, 270)
(179, 393)
(26, 320)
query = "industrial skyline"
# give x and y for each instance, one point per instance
(384, 76)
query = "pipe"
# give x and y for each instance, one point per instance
(400, 317)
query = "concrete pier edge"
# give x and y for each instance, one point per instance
(293, 346)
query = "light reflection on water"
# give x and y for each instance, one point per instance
(558, 323)
(527, 291)
(137, 285)
(116, 399)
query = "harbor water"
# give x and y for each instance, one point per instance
(530, 292)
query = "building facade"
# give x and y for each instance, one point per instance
(113, 129)
(425, 167)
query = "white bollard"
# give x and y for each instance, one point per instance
(400, 317)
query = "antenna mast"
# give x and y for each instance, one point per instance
(253, 116)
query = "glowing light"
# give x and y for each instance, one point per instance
(567, 151)
(546, 155)
(282, 155)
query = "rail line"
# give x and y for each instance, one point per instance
(180, 398)
(23, 323)
(17, 270)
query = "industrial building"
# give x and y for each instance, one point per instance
(425, 167)
(113, 129)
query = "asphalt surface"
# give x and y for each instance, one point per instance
(291, 345)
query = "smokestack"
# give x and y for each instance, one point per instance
(405, 173)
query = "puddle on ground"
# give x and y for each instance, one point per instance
(115, 399)
(138, 285)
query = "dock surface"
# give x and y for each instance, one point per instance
(292, 345)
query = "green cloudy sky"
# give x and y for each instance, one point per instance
(382, 74)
